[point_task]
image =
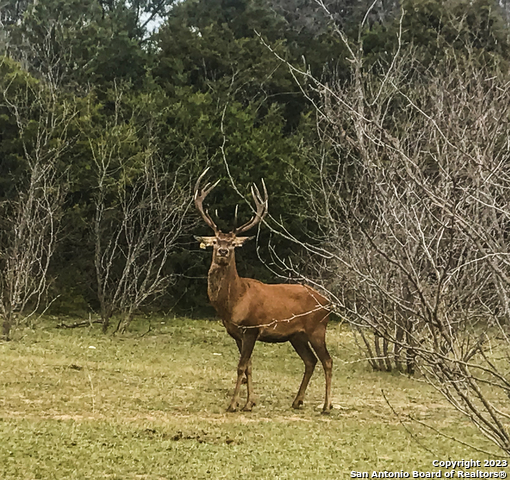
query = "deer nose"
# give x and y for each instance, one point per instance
(222, 252)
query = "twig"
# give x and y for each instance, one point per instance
(411, 434)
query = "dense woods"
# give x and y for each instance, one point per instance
(380, 128)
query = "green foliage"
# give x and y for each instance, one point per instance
(77, 43)
(36, 122)
(213, 47)
(456, 23)
(14, 82)
(437, 28)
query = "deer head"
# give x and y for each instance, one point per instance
(224, 244)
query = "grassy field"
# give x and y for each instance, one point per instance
(75, 404)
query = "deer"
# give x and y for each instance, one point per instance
(251, 310)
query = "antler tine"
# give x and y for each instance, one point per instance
(235, 216)
(259, 196)
(199, 197)
(261, 204)
(199, 179)
(205, 191)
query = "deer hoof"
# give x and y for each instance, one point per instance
(232, 408)
(249, 405)
(297, 404)
(327, 410)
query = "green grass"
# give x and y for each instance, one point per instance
(153, 407)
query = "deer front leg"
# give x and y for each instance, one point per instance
(244, 370)
(248, 370)
(250, 398)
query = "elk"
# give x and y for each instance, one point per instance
(251, 310)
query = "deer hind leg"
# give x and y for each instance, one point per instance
(244, 371)
(318, 342)
(300, 344)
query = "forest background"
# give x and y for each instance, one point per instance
(103, 103)
(96, 93)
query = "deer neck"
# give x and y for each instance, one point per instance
(225, 288)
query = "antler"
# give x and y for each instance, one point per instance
(261, 208)
(200, 195)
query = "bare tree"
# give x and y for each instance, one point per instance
(412, 206)
(140, 213)
(30, 220)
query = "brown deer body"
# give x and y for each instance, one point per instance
(251, 310)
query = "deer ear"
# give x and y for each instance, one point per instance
(205, 241)
(239, 241)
